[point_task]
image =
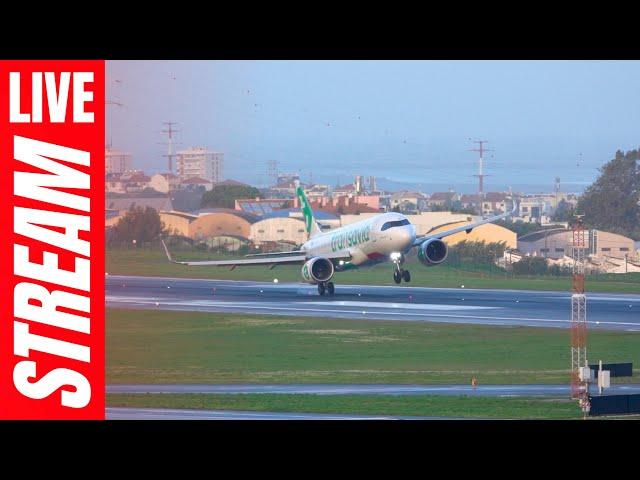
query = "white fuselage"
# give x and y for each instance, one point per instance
(368, 241)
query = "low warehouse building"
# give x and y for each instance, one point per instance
(221, 221)
(488, 233)
(228, 243)
(123, 204)
(177, 223)
(279, 229)
(556, 243)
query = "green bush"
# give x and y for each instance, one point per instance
(530, 266)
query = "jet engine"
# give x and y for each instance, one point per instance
(432, 252)
(317, 270)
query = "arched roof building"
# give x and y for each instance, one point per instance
(488, 233)
(556, 243)
(279, 229)
(177, 223)
(221, 221)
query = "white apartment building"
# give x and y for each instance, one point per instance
(116, 161)
(200, 162)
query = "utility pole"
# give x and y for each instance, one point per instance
(557, 189)
(170, 131)
(481, 150)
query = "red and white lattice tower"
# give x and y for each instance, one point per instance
(579, 389)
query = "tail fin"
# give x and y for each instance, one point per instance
(312, 227)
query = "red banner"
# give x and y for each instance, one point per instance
(52, 240)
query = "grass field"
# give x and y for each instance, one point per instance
(153, 262)
(188, 347)
(462, 406)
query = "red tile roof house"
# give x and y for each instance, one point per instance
(441, 198)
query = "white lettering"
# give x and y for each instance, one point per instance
(81, 96)
(57, 97)
(34, 185)
(57, 101)
(26, 222)
(48, 312)
(36, 97)
(48, 270)
(24, 342)
(51, 382)
(15, 116)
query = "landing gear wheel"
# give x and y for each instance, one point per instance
(321, 289)
(397, 276)
(331, 288)
(406, 276)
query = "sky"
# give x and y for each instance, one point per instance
(408, 121)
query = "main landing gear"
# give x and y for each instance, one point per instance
(326, 287)
(400, 274)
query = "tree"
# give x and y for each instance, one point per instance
(611, 202)
(141, 225)
(465, 210)
(530, 266)
(476, 252)
(225, 196)
(408, 206)
(564, 212)
(436, 207)
(522, 228)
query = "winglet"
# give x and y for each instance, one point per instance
(166, 250)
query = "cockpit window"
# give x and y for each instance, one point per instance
(397, 223)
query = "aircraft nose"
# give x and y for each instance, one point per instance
(408, 236)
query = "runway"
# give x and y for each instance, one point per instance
(452, 305)
(364, 389)
(120, 413)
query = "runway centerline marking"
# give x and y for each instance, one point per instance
(221, 305)
(408, 306)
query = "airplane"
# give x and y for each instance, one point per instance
(382, 238)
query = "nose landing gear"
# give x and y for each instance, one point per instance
(406, 276)
(399, 273)
(326, 287)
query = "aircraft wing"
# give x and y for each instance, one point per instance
(280, 258)
(464, 228)
(293, 257)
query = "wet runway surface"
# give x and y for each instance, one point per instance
(486, 307)
(120, 413)
(362, 389)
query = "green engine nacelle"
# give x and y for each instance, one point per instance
(432, 252)
(317, 270)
